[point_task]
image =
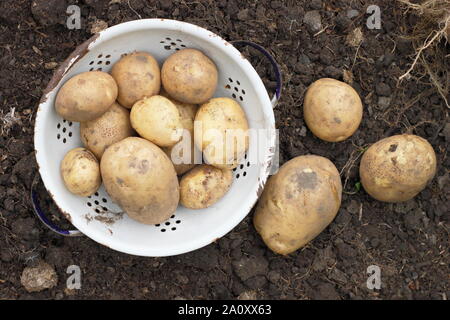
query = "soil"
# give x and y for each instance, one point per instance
(408, 241)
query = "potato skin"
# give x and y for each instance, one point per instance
(86, 96)
(332, 110)
(140, 178)
(156, 119)
(189, 76)
(298, 203)
(187, 113)
(221, 115)
(204, 185)
(397, 168)
(111, 127)
(137, 75)
(81, 172)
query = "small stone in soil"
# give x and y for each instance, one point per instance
(384, 102)
(313, 21)
(39, 278)
(352, 13)
(248, 267)
(353, 207)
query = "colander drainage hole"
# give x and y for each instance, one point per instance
(178, 221)
(89, 204)
(163, 230)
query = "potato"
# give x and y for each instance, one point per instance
(223, 137)
(81, 172)
(114, 125)
(158, 120)
(332, 109)
(86, 96)
(189, 76)
(204, 185)
(137, 75)
(298, 203)
(140, 178)
(187, 113)
(397, 168)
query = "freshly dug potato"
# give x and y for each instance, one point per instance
(397, 168)
(140, 178)
(298, 203)
(86, 96)
(189, 76)
(158, 120)
(114, 125)
(223, 137)
(187, 113)
(137, 75)
(332, 109)
(204, 185)
(81, 172)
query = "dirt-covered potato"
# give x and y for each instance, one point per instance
(332, 109)
(111, 127)
(86, 96)
(158, 120)
(137, 75)
(204, 185)
(223, 137)
(140, 178)
(187, 113)
(397, 168)
(189, 76)
(298, 203)
(81, 172)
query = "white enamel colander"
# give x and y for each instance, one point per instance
(97, 216)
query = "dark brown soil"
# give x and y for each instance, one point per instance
(408, 241)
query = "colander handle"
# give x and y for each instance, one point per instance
(41, 215)
(274, 63)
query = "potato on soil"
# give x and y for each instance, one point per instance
(158, 120)
(114, 125)
(204, 185)
(86, 96)
(223, 137)
(137, 75)
(397, 168)
(140, 178)
(189, 76)
(298, 203)
(81, 172)
(187, 113)
(332, 109)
